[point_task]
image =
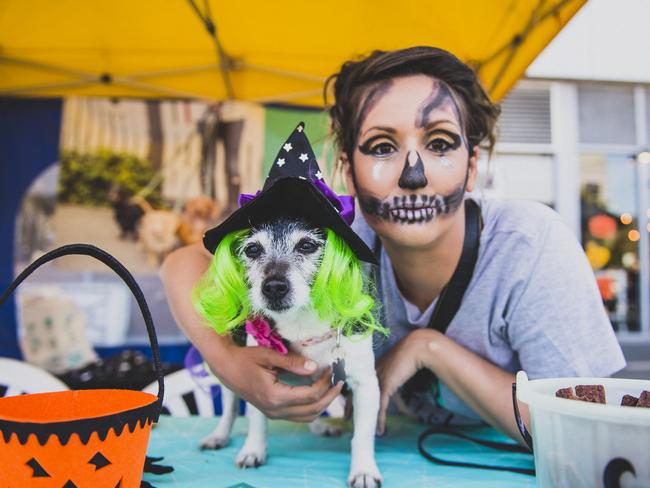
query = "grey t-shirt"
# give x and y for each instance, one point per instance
(532, 303)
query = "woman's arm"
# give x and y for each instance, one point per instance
(251, 372)
(484, 387)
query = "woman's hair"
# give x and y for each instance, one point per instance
(353, 82)
(339, 292)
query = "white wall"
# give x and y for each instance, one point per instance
(607, 40)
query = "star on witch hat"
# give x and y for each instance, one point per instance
(294, 188)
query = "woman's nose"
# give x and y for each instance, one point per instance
(412, 176)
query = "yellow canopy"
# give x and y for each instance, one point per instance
(262, 50)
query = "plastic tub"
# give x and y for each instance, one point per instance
(581, 444)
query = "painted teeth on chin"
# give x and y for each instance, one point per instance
(402, 213)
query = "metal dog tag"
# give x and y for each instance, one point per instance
(338, 361)
(338, 371)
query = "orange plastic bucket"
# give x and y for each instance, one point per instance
(84, 438)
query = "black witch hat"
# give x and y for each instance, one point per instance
(294, 188)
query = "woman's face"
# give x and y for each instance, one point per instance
(411, 163)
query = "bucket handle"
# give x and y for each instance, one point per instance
(122, 272)
(520, 423)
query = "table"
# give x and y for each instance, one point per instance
(297, 458)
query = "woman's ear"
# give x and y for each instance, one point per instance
(472, 170)
(348, 176)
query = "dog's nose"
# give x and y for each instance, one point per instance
(275, 288)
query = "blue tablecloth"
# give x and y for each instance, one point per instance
(297, 458)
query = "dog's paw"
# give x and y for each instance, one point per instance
(250, 458)
(326, 428)
(365, 480)
(214, 442)
(366, 477)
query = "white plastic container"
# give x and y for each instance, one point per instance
(580, 444)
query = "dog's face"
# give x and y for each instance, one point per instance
(281, 259)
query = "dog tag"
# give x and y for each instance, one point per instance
(338, 371)
(338, 363)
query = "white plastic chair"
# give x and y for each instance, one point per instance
(179, 386)
(19, 377)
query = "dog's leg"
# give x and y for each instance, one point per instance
(253, 452)
(324, 427)
(362, 380)
(220, 437)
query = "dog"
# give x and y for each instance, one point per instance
(158, 234)
(198, 215)
(126, 211)
(281, 260)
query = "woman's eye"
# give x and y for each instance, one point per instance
(382, 149)
(306, 247)
(439, 145)
(253, 250)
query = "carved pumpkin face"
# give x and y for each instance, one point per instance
(95, 438)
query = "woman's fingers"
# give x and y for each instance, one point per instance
(290, 362)
(286, 396)
(310, 411)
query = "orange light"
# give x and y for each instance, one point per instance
(626, 219)
(634, 235)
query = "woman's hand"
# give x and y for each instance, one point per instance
(399, 364)
(252, 373)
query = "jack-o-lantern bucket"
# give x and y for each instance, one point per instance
(84, 438)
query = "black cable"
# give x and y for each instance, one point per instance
(498, 446)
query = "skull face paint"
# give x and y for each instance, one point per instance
(411, 161)
(414, 208)
(413, 176)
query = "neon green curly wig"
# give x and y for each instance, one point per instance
(339, 293)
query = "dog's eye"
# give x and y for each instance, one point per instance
(253, 250)
(306, 246)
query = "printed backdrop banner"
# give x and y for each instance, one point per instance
(29, 143)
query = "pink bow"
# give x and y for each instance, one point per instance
(265, 335)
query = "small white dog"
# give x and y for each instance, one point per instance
(281, 260)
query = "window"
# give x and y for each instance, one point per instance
(526, 117)
(606, 114)
(609, 233)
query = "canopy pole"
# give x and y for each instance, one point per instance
(283, 72)
(224, 60)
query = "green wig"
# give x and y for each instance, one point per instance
(339, 293)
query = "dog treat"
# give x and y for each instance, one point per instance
(584, 393)
(591, 393)
(566, 393)
(596, 394)
(644, 399)
(629, 401)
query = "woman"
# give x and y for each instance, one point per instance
(409, 124)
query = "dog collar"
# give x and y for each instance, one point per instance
(315, 340)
